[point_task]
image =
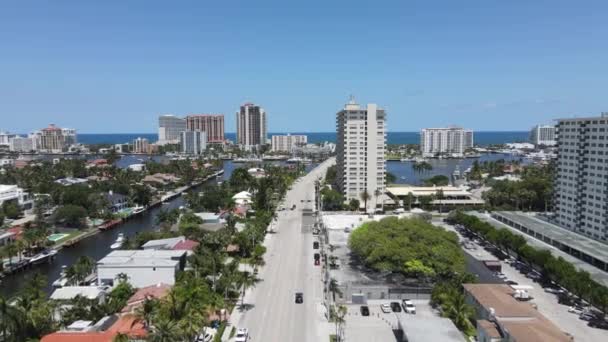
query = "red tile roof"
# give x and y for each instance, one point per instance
(186, 245)
(127, 324)
(158, 291)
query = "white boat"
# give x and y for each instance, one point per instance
(62, 280)
(138, 210)
(247, 160)
(118, 243)
(298, 160)
(44, 256)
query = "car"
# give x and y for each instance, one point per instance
(315, 244)
(408, 306)
(575, 310)
(395, 307)
(386, 308)
(242, 335)
(554, 290)
(587, 316)
(317, 262)
(299, 298)
(511, 282)
(308, 201)
(598, 323)
(206, 335)
(364, 310)
(293, 207)
(281, 208)
(347, 229)
(301, 201)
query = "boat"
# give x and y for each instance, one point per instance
(46, 255)
(119, 240)
(247, 160)
(63, 279)
(138, 210)
(298, 160)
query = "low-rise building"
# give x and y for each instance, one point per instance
(105, 330)
(116, 202)
(446, 196)
(15, 193)
(500, 317)
(142, 267)
(179, 243)
(158, 291)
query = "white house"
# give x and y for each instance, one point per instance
(15, 193)
(142, 267)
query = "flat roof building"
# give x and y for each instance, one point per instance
(543, 135)
(251, 126)
(211, 124)
(169, 129)
(452, 196)
(287, 143)
(450, 141)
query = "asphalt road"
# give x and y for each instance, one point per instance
(271, 313)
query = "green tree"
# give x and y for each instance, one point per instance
(71, 216)
(353, 205)
(11, 209)
(365, 196)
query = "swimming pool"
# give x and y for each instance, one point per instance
(56, 237)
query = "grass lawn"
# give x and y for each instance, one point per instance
(70, 236)
(332, 338)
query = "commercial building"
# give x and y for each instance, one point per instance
(360, 150)
(5, 137)
(141, 145)
(211, 124)
(142, 267)
(193, 142)
(53, 139)
(581, 180)
(446, 197)
(169, 129)
(500, 317)
(21, 144)
(251, 130)
(450, 141)
(543, 135)
(287, 143)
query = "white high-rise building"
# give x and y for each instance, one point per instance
(5, 137)
(360, 151)
(21, 144)
(53, 139)
(450, 141)
(170, 128)
(141, 145)
(543, 135)
(193, 142)
(286, 143)
(581, 178)
(251, 126)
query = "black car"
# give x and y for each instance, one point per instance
(511, 282)
(364, 310)
(299, 298)
(395, 306)
(315, 245)
(597, 323)
(317, 256)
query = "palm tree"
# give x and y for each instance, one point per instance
(377, 194)
(146, 311)
(339, 314)
(165, 330)
(9, 317)
(334, 288)
(410, 200)
(458, 311)
(247, 280)
(440, 195)
(191, 324)
(365, 197)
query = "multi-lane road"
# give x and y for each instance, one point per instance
(272, 313)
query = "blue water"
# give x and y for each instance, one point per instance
(481, 138)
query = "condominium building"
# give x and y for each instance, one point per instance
(581, 181)
(22, 144)
(286, 143)
(251, 126)
(211, 124)
(141, 145)
(54, 139)
(450, 141)
(193, 142)
(360, 150)
(5, 137)
(169, 129)
(543, 135)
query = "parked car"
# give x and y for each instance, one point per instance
(317, 262)
(575, 310)
(315, 245)
(511, 282)
(587, 316)
(293, 207)
(408, 306)
(242, 335)
(555, 290)
(598, 323)
(347, 229)
(364, 310)
(386, 308)
(299, 298)
(395, 307)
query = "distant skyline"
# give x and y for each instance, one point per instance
(113, 67)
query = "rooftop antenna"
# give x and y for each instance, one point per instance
(351, 99)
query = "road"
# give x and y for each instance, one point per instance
(270, 311)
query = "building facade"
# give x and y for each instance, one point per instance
(360, 150)
(53, 139)
(286, 143)
(251, 126)
(5, 137)
(581, 181)
(193, 142)
(141, 145)
(170, 128)
(543, 135)
(211, 124)
(450, 141)
(21, 144)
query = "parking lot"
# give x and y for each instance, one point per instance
(424, 326)
(547, 303)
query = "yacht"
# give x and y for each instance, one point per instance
(42, 257)
(138, 210)
(118, 243)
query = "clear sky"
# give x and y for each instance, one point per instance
(113, 66)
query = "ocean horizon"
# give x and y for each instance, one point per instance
(481, 138)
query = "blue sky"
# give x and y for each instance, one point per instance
(114, 66)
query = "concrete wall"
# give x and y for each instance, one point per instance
(138, 277)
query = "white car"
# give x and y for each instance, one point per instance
(242, 335)
(207, 335)
(408, 306)
(575, 310)
(385, 308)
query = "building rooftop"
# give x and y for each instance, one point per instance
(128, 324)
(163, 243)
(417, 191)
(500, 298)
(431, 328)
(141, 258)
(69, 292)
(157, 291)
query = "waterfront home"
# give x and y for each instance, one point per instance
(116, 202)
(243, 197)
(158, 291)
(6, 237)
(105, 330)
(14, 193)
(142, 267)
(64, 296)
(179, 243)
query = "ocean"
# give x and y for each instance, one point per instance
(480, 138)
